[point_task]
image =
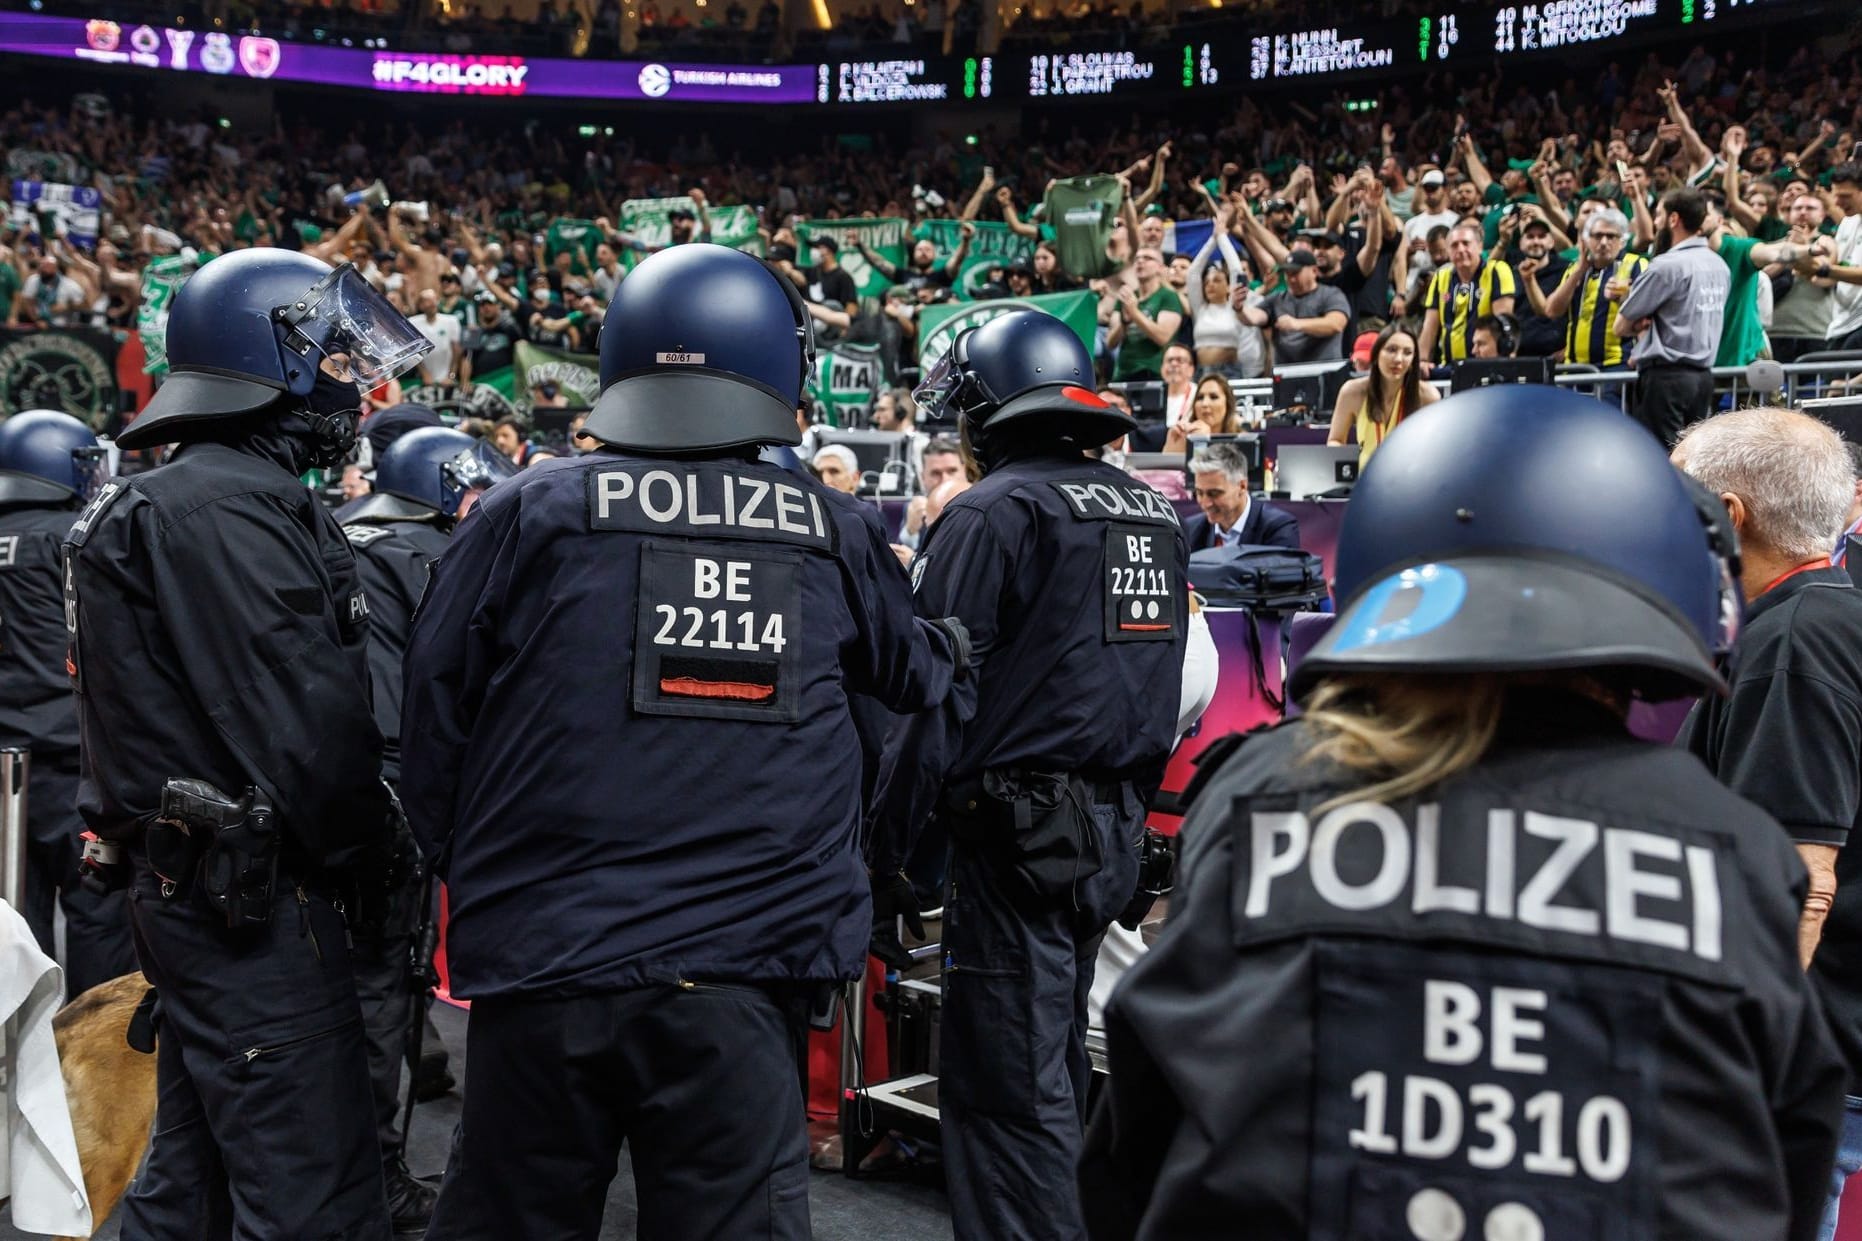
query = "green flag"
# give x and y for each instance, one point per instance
(939, 324)
(649, 221)
(992, 245)
(846, 379)
(163, 275)
(885, 238)
(577, 236)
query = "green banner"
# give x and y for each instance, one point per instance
(992, 245)
(846, 379)
(578, 375)
(649, 221)
(939, 324)
(508, 389)
(885, 238)
(164, 274)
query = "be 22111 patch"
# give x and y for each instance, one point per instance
(1143, 601)
(718, 632)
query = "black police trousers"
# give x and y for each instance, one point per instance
(97, 943)
(385, 989)
(1013, 1070)
(702, 1082)
(1668, 397)
(262, 1122)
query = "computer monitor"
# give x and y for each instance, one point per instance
(1147, 398)
(1249, 443)
(1843, 414)
(1485, 372)
(1312, 471)
(884, 457)
(1311, 387)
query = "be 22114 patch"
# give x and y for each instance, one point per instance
(717, 632)
(1142, 599)
(1482, 1096)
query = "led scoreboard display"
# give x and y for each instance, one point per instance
(1242, 54)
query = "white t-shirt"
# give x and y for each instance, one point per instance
(1846, 317)
(445, 332)
(1418, 225)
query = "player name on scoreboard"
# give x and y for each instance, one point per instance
(886, 81)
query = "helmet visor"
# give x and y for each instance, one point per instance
(938, 389)
(357, 328)
(477, 467)
(90, 470)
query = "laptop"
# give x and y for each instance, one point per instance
(1312, 471)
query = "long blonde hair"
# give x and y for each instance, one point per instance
(1404, 732)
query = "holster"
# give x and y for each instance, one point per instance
(226, 849)
(1039, 822)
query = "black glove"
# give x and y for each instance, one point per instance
(893, 899)
(953, 629)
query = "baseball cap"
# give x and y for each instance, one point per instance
(1533, 222)
(1277, 204)
(1432, 178)
(681, 213)
(1300, 258)
(826, 242)
(1361, 349)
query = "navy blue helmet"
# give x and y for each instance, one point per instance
(252, 326)
(48, 457)
(1518, 527)
(427, 472)
(703, 347)
(1026, 369)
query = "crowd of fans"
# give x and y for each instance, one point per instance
(1462, 217)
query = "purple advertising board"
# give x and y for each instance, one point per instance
(259, 58)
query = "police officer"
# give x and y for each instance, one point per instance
(1453, 954)
(626, 742)
(425, 480)
(1070, 577)
(50, 463)
(218, 633)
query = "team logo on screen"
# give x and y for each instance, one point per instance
(258, 56)
(655, 80)
(102, 36)
(216, 53)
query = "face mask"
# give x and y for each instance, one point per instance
(332, 409)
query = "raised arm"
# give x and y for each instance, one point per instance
(977, 199)
(1698, 154)
(1006, 199)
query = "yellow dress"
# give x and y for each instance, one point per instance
(1371, 434)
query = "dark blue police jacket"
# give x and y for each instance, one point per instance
(625, 731)
(1071, 577)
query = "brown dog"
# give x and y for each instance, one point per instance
(110, 1087)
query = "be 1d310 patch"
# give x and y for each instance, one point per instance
(1142, 601)
(1463, 1095)
(717, 632)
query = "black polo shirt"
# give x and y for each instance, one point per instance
(1789, 738)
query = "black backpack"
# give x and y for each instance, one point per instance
(1261, 579)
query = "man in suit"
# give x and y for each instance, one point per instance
(1230, 515)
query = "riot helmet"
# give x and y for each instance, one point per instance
(1521, 528)
(426, 473)
(49, 458)
(1024, 375)
(703, 348)
(255, 326)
